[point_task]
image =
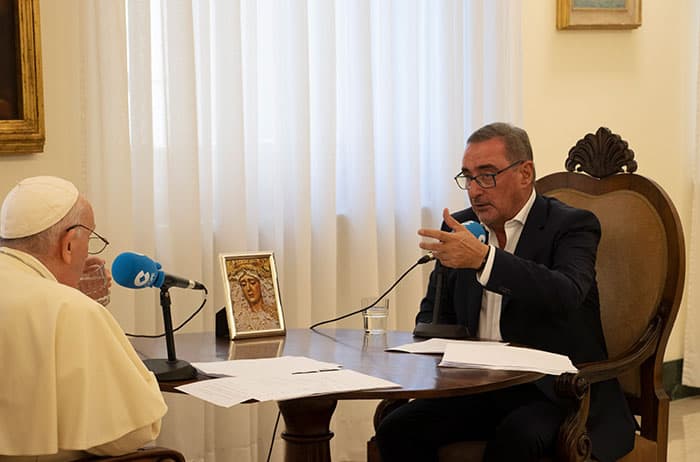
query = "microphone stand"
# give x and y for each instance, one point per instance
(171, 369)
(434, 328)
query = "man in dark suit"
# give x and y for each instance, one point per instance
(533, 283)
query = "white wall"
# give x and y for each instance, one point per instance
(640, 83)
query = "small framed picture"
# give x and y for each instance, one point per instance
(599, 14)
(253, 305)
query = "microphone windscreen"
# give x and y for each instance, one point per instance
(476, 229)
(136, 271)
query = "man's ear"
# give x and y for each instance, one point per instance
(528, 171)
(66, 245)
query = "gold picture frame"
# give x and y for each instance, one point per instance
(599, 14)
(253, 304)
(21, 93)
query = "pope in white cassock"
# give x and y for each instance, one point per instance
(72, 383)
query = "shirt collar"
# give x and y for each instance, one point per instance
(521, 216)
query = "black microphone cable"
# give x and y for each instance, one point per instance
(424, 259)
(206, 292)
(274, 433)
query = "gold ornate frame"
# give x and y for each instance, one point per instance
(246, 320)
(25, 134)
(599, 14)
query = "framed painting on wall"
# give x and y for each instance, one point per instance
(599, 14)
(253, 305)
(21, 94)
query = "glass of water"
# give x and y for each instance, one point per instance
(375, 318)
(94, 283)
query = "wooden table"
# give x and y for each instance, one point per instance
(307, 420)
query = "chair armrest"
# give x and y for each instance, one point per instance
(573, 444)
(575, 386)
(642, 349)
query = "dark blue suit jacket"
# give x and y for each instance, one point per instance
(550, 302)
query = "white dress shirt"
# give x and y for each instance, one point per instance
(490, 317)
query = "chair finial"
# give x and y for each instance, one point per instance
(601, 155)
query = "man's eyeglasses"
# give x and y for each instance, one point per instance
(485, 180)
(96, 243)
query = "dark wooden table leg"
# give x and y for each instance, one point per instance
(307, 431)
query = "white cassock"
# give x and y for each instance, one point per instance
(70, 380)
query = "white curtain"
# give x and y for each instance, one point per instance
(325, 131)
(691, 352)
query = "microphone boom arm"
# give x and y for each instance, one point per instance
(168, 323)
(435, 329)
(171, 369)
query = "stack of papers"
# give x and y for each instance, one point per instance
(504, 357)
(276, 379)
(436, 345)
(266, 366)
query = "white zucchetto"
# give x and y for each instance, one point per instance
(35, 204)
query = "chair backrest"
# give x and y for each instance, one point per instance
(641, 257)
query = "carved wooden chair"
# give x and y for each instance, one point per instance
(640, 272)
(150, 454)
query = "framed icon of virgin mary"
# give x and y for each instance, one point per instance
(253, 304)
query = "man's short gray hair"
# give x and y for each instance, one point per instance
(515, 139)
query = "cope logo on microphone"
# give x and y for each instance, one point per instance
(142, 278)
(476, 229)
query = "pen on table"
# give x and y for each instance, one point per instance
(313, 372)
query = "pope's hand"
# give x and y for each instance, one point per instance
(96, 280)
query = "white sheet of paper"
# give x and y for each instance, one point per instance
(505, 357)
(229, 391)
(435, 345)
(318, 383)
(265, 366)
(224, 392)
